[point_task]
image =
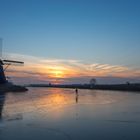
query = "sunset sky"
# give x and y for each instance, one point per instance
(70, 41)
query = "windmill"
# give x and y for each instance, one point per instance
(4, 64)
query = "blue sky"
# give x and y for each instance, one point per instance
(92, 31)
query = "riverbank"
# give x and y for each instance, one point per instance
(12, 88)
(119, 87)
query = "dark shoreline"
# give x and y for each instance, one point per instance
(12, 88)
(117, 87)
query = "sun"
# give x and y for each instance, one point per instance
(57, 73)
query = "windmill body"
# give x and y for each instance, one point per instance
(6, 86)
(2, 74)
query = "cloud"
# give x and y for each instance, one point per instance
(60, 70)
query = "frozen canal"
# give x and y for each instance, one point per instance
(60, 114)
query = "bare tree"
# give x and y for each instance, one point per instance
(92, 82)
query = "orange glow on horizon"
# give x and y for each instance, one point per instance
(57, 72)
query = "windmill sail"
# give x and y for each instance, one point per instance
(5, 62)
(12, 61)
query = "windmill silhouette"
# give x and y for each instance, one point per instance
(4, 64)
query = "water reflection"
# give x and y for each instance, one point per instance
(76, 97)
(59, 114)
(45, 100)
(2, 100)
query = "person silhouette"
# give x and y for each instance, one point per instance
(76, 90)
